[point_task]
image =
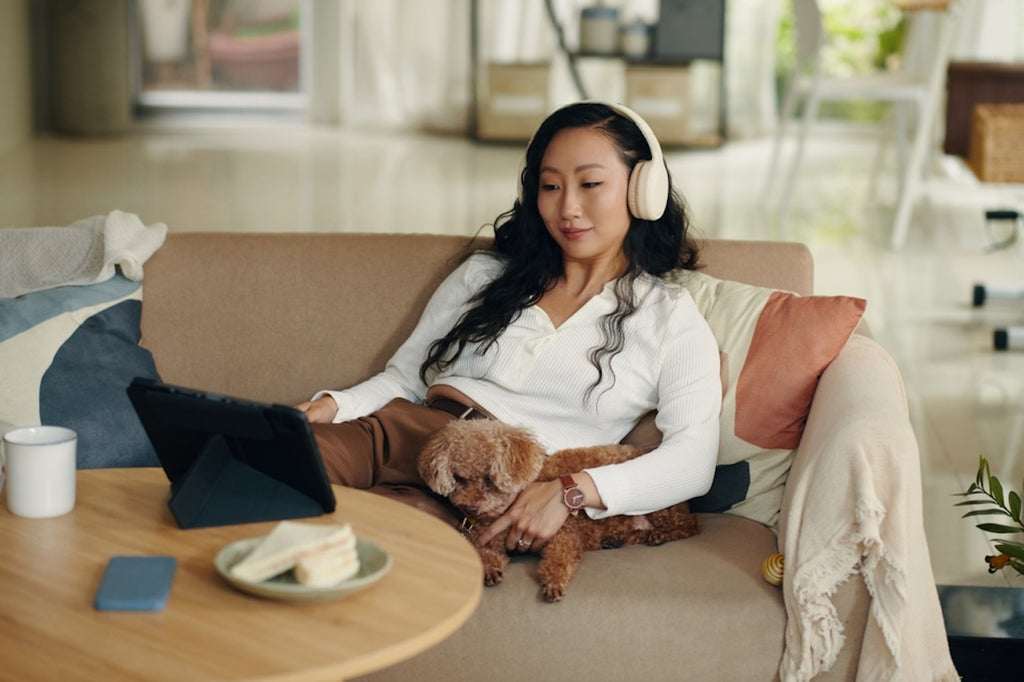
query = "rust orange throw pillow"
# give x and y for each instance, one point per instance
(775, 345)
(794, 340)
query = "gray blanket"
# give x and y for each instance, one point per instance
(84, 252)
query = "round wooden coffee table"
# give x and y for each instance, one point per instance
(50, 569)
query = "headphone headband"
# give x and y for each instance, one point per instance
(648, 189)
(645, 129)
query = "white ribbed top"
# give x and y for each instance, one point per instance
(538, 375)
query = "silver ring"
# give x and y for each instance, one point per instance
(523, 543)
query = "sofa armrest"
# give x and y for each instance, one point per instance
(852, 509)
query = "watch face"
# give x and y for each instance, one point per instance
(574, 498)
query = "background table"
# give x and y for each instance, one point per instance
(985, 626)
(50, 569)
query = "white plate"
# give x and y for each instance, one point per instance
(374, 562)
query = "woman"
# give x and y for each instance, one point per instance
(563, 326)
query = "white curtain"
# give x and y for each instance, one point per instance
(406, 64)
(751, 30)
(991, 31)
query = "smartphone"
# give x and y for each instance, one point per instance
(136, 583)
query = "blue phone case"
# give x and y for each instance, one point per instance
(136, 583)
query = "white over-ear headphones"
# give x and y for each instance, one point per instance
(648, 188)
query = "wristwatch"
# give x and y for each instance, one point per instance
(572, 494)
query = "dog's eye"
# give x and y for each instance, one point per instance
(488, 481)
(459, 480)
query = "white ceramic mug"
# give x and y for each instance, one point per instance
(40, 466)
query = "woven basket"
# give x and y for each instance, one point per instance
(997, 142)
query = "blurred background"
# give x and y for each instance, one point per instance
(411, 116)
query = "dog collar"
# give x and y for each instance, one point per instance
(572, 495)
(468, 526)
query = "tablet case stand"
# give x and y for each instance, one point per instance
(219, 489)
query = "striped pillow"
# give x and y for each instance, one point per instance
(775, 345)
(66, 357)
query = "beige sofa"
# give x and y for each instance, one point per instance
(276, 317)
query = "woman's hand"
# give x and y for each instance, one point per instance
(532, 520)
(319, 411)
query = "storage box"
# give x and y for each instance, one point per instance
(996, 151)
(514, 101)
(971, 83)
(661, 95)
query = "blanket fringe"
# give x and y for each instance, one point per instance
(886, 583)
(814, 586)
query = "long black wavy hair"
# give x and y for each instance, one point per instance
(533, 260)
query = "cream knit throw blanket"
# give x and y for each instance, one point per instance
(85, 252)
(853, 508)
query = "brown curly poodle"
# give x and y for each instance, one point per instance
(482, 465)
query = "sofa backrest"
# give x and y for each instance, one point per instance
(275, 317)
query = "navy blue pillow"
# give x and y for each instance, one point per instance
(84, 389)
(67, 355)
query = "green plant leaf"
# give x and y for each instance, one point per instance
(971, 503)
(1017, 566)
(997, 489)
(1015, 506)
(985, 512)
(1012, 549)
(998, 528)
(974, 490)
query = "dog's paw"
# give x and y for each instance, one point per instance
(612, 542)
(553, 592)
(493, 576)
(656, 540)
(494, 567)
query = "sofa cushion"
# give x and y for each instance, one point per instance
(68, 355)
(775, 346)
(694, 604)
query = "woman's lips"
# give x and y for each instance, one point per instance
(574, 232)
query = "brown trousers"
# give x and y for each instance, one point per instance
(379, 452)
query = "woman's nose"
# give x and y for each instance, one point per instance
(570, 204)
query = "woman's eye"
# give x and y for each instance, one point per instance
(548, 187)
(590, 185)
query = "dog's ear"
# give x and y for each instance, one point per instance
(434, 465)
(519, 464)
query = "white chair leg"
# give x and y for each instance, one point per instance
(909, 188)
(913, 175)
(901, 140)
(880, 156)
(785, 118)
(810, 115)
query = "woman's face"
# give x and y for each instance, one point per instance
(582, 194)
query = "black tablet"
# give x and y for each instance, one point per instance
(231, 460)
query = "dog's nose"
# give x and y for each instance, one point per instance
(471, 510)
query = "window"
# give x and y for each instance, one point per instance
(217, 54)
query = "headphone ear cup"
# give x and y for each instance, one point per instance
(647, 192)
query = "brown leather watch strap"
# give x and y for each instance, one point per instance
(572, 495)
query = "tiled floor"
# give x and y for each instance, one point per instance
(966, 399)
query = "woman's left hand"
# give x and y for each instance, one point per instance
(532, 520)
